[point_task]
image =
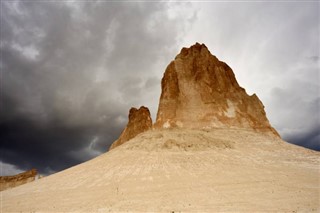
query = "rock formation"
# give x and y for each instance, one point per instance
(201, 92)
(7, 182)
(139, 121)
(205, 154)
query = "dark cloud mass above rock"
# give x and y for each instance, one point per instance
(70, 71)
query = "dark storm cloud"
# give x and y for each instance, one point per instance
(302, 127)
(47, 148)
(70, 73)
(51, 146)
(308, 139)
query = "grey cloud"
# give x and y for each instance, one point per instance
(309, 139)
(151, 82)
(314, 58)
(72, 71)
(296, 113)
(9, 169)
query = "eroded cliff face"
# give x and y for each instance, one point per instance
(139, 121)
(7, 182)
(201, 92)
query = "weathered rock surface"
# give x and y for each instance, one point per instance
(201, 92)
(7, 182)
(139, 121)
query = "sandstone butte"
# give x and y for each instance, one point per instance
(211, 149)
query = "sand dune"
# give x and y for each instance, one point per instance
(182, 171)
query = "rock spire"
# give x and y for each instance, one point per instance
(139, 121)
(199, 91)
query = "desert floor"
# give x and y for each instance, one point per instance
(182, 171)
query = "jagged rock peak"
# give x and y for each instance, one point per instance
(139, 121)
(199, 91)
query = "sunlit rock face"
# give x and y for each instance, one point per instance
(199, 91)
(139, 121)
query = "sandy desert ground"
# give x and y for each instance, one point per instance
(224, 170)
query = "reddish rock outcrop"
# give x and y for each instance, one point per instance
(7, 182)
(139, 121)
(199, 91)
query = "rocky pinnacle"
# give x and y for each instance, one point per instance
(201, 92)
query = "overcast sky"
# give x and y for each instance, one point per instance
(70, 71)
